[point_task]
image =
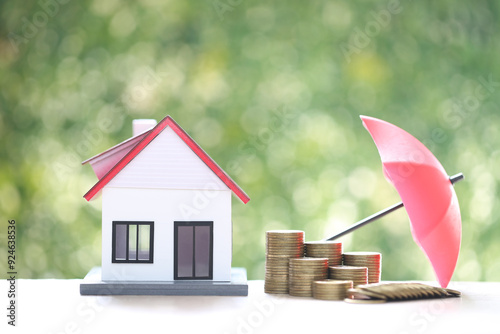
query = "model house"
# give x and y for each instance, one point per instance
(166, 215)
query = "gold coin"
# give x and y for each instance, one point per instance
(331, 289)
(320, 264)
(362, 254)
(273, 291)
(454, 293)
(346, 277)
(277, 261)
(275, 246)
(305, 278)
(346, 267)
(293, 240)
(283, 256)
(290, 248)
(364, 301)
(276, 275)
(276, 284)
(277, 269)
(307, 274)
(323, 254)
(300, 279)
(323, 263)
(306, 269)
(300, 293)
(286, 252)
(323, 243)
(285, 232)
(328, 255)
(274, 270)
(311, 260)
(332, 282)
(362, 264)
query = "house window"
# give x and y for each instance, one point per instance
(132, 242)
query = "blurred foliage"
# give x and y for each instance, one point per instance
(272, 91)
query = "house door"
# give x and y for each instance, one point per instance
(193, 250)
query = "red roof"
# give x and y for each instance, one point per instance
(117, 146)
(104, 161)
(167, 121)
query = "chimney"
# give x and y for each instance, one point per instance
(141, 125)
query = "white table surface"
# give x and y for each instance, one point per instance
(55, 306)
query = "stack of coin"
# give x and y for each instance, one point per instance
(329, 249)
(358, 275)
(371, 260)
(331, 289)
(281, 246)
(303, 272)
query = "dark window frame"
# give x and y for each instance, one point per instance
(211, 259)
(151, 242)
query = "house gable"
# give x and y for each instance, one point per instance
(167, 162)
(168, 122)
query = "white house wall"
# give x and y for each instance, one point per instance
(167, 162)
(163, 207)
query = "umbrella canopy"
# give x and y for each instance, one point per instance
(426, 191)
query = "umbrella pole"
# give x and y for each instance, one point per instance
(367, 220)
(380, 214)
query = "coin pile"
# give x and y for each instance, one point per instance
(330, 289)
(329, 249)
(358, 275)
(280, 247)
(303, 272)
(371, 260)
(382, 292)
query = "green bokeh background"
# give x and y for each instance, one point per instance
(272, 91)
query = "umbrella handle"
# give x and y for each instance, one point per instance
(380, 214)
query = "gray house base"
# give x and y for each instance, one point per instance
(93, 286)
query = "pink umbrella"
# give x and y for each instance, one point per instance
(427, 194)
